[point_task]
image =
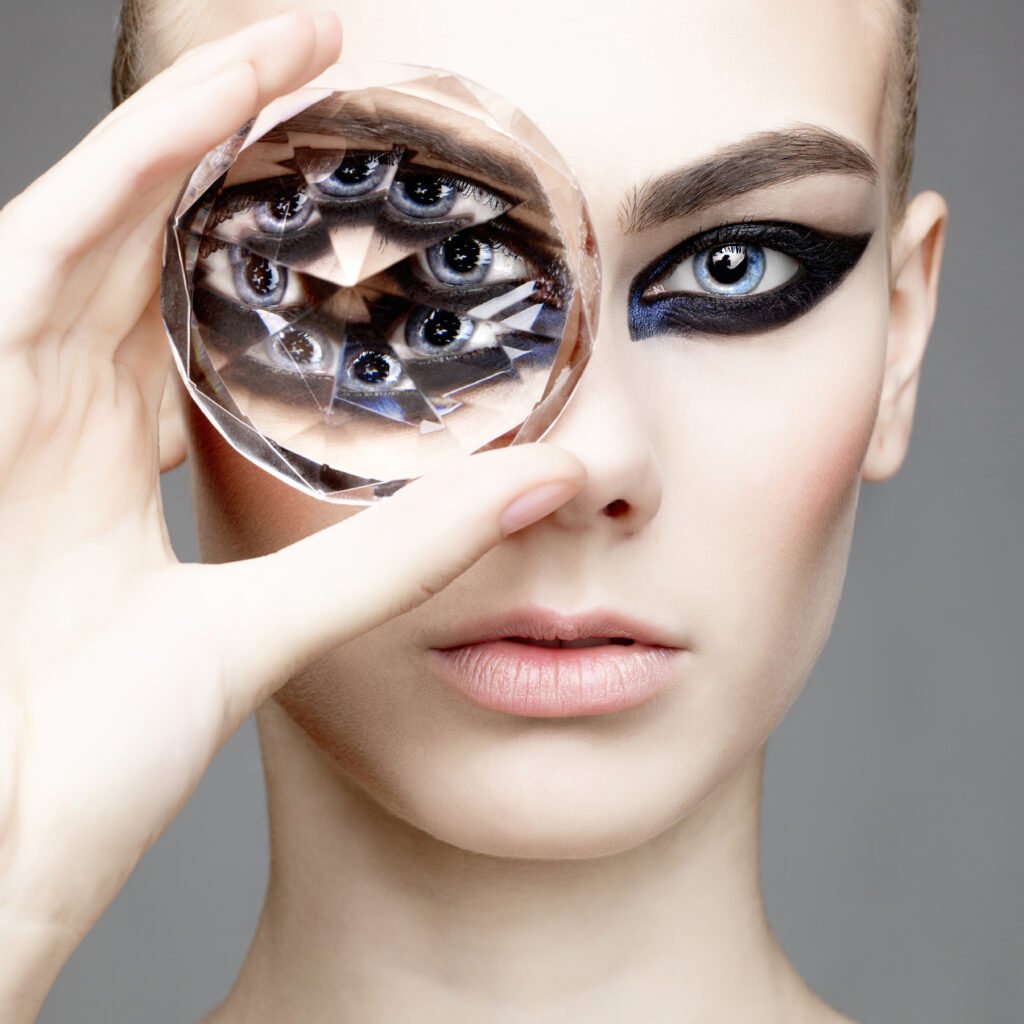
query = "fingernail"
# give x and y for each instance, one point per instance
(326, 20)
(536, 504)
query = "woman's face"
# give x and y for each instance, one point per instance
(738, 454)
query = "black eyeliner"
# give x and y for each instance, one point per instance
(825, 259)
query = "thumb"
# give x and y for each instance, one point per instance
(275, 614)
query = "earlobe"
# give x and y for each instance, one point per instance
(917, 265)
(172, 425)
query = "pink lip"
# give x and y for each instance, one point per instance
(551, 682)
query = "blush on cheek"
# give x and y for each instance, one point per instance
(826, 467)
(826, 475)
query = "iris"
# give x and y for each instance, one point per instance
(422, 195)
(373, 369)
(436, 331)
(288, 211)
(297, 348)
(730, 269)
(259, 282)
(357, 174)
(461, 259)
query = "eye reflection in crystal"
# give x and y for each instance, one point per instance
(287, 211)
(433, 331)
(300, 348)
(355, 175)
(389, 278)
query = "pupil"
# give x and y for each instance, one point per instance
(261, 275)
(299, 347)
(462, 254)
(354, 169)
(441, 327)
(729, 264)
(371, 368)
(424, 190)
(287, 206)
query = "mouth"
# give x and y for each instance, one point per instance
(542, 664)
(542, 627)
(589, 641)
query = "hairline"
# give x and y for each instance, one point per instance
(140, 20)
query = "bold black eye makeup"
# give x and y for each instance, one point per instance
(738, 279)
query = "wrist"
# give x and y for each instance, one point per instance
(32, 954)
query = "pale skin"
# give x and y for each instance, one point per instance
(484, 867)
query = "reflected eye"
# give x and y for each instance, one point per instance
(258, 281)
(356, 175)
(461, 259)
(465, 260)
(287, 212)
(294, 347)
(438, 331)
(422, 195)
(372, 369)
(297, 350)
(733, 269)
(251, 279)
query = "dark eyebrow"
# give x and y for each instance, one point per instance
(423, 125)
(759, 161)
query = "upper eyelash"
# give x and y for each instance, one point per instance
(463, 185)
(811, 245)
(248, 195)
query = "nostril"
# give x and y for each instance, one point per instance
(616, 508)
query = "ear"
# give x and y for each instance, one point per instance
(917, 263)
(172, 424)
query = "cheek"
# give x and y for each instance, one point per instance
(765, 477)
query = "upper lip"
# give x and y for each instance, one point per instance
(534, 623)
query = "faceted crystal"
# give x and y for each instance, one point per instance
(386, 270)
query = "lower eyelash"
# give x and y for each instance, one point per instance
(825, 259)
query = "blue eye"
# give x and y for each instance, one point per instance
(356, 175)
(372, 369)
(294, 347)
(730, 269)
(287, 212)
(435, 332)
(461, 259)
(422, 195)
(740, 279)
(259, 282)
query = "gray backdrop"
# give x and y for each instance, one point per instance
(894, 821)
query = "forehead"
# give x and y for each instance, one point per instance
(627, 90)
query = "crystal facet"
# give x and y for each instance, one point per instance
(381, 272)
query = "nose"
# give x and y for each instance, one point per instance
(607, 425)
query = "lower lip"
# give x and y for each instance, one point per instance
(558, 682)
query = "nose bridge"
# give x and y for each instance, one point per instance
(606, 425)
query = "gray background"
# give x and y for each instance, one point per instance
(894, 821)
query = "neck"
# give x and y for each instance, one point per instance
(370, 919)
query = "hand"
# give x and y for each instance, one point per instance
(122, 672)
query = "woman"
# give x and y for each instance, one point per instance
(439, 850)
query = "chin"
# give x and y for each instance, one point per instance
(563, 812)
(522, 788)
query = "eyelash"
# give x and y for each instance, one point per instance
(825, 259)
